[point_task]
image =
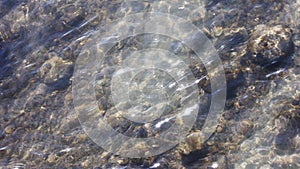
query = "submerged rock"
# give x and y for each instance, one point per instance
(56, 72)
(270, 44)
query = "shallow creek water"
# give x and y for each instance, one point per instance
(258, 42)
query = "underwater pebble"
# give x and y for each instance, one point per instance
(10, 129)
(51, 158)
(219, 129)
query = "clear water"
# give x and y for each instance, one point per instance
(41, 40)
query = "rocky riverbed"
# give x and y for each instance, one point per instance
(257, 41)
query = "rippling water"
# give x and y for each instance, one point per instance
(257, 41)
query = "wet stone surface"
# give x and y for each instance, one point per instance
(271, 44)
(257, 41)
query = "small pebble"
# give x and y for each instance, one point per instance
(219, 129)
(85, 163)
(9, 129)
(122, 161)
(51, 158)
